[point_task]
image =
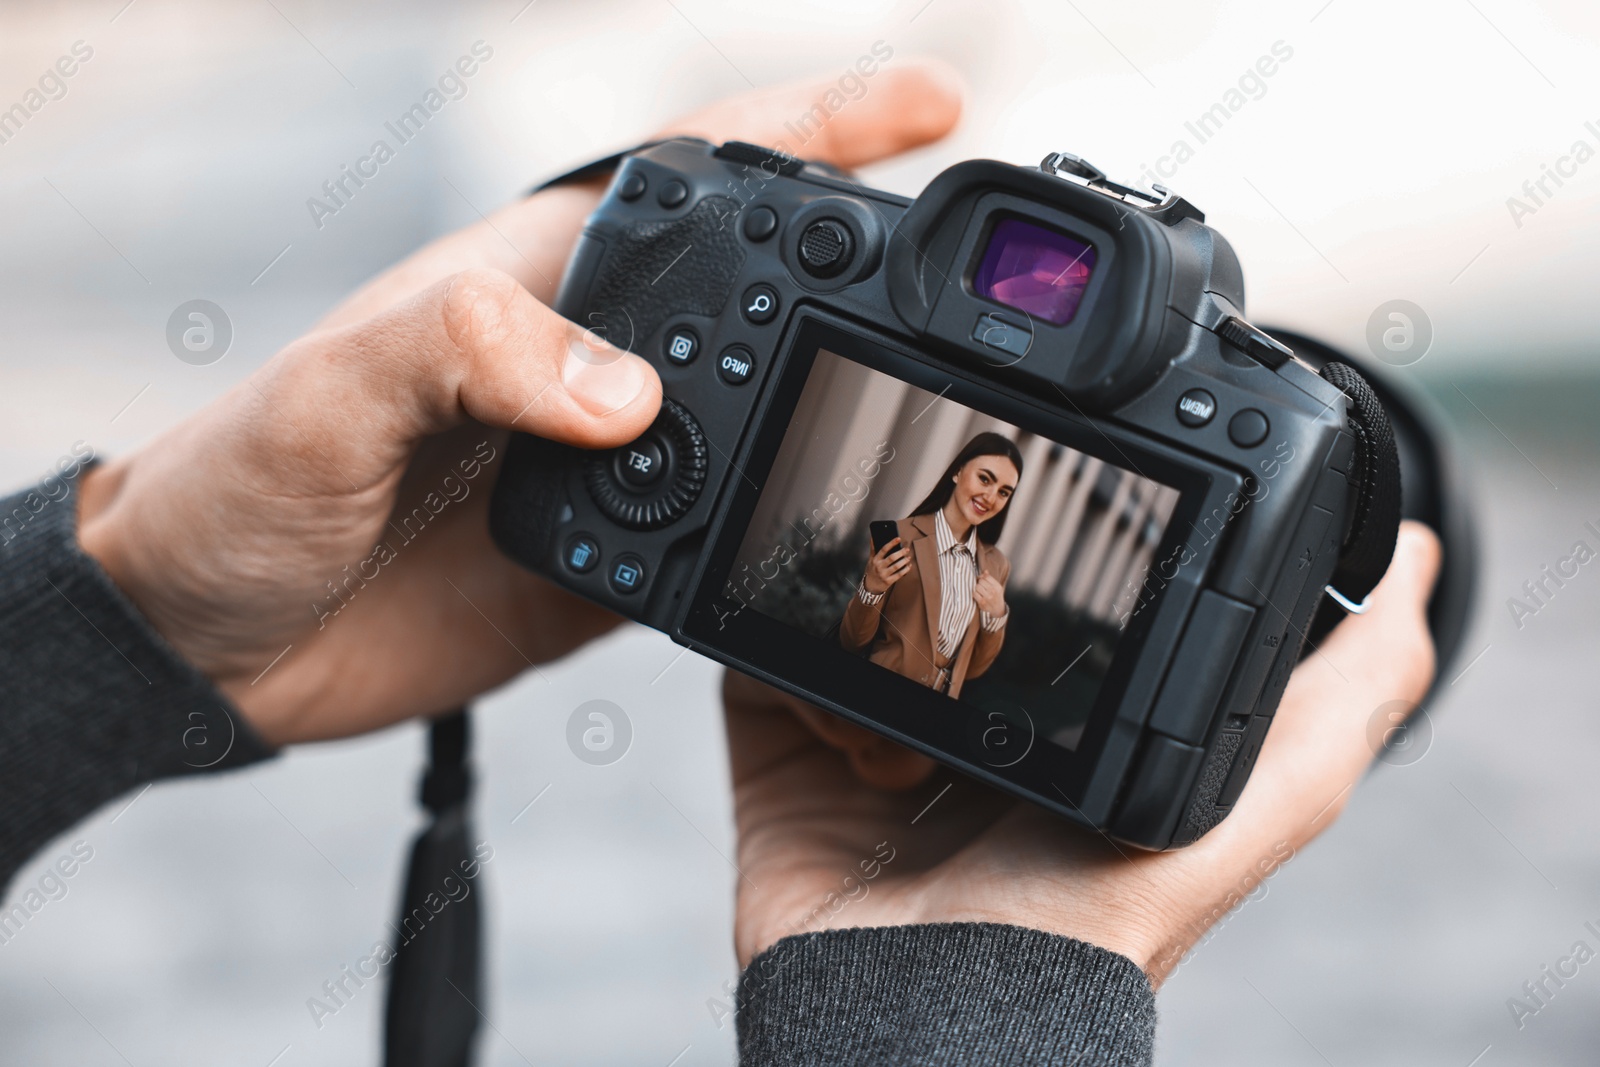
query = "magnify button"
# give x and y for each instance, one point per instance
(760, 304)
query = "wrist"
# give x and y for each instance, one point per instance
(1143, 933)
(98, 537)
(104, 536)
(97, 488)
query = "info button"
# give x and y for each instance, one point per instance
(1196, 407)
(736, 365)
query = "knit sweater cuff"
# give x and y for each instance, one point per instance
(951, 993)
(94, 701)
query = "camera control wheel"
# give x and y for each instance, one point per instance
(653, 481)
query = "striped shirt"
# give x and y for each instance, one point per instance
(958, 575)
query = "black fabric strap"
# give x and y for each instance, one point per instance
(432, 1015)
(1375, 473)
(597, 168)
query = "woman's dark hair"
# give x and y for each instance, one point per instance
(984, 444)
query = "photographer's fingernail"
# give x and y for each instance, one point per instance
(601, 378)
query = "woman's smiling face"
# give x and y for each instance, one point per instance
(984, 485)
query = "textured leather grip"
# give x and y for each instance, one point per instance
(683, 266)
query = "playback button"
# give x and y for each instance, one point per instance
(627, 574)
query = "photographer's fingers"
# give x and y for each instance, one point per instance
(898, 108)
(762, 729)
(876, 761)
(474, 346)
(529, 240)
(766, 726)
(1321, 741)
(1314, 754)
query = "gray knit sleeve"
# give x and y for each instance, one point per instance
(94, 701)
(952, 993)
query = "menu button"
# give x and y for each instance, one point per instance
(1196, 407)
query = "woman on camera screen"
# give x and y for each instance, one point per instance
(931, 605)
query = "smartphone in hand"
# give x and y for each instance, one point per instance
(883, 531)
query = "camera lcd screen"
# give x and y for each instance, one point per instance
(1034, 270)
(1019, 564)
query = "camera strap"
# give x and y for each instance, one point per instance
(1375, 475)
(432, 1014)
(435, 975)
(595, 168)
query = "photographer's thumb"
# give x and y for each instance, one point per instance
(475, 346)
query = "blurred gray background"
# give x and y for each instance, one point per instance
(1375, 164)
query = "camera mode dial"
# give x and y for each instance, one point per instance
(653, 481)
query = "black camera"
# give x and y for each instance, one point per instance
(1001, 472)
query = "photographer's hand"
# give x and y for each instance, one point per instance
(806, 818)
(246, 534)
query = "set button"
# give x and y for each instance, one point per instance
(640, 464)
(653, 481)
